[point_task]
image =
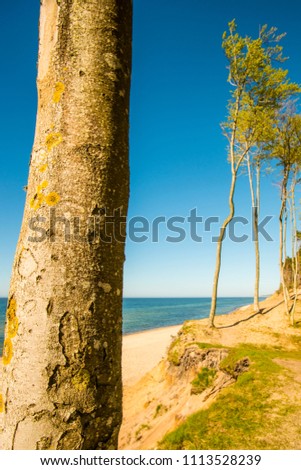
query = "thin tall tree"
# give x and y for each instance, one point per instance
(256, 87)
(255, 200)
(285, 147)
(292, 209)
(260, 114)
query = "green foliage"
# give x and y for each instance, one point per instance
(285, 139)
(203, 380)
(246, 415)
(259, 89)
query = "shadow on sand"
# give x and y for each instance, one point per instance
(260, 312)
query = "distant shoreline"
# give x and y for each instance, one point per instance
(144, 314)
(148, 314)
(143, 350)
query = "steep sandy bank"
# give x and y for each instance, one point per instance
(162, 398)
(142, 351)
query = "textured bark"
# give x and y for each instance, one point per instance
(61, 380)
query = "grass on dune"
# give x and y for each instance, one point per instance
(248, 414)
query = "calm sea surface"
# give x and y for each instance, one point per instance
(145, 314)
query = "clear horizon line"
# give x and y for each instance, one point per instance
(184, 297)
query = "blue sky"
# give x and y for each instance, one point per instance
(178, 154)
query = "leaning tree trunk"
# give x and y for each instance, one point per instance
(61, 381)
(218, 260)
(235, 165)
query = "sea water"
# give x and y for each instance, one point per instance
(140, 314)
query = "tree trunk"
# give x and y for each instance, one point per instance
(255, 213)
(282, 237)
(256, 242)
(294, 247)
(61, 385)
(219, 251)
(235, 165)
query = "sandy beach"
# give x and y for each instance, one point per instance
(157, 399)
(142, 351)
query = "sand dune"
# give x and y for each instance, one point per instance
(143, 350)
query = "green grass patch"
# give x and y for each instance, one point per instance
(246, 415)
(175, 351)
(189, 328)
(177, 347)
(203, 380)
(208, 345)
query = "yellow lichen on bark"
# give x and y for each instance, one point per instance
(42, 186)
(7, 351)
(12, 327)
(1, 404)
(38, 199)
(12, 320)
(11, 309)
(36, 202)
(58, 91)
(53, 139)
(43, 167)
(81, 380)
(52, 198)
